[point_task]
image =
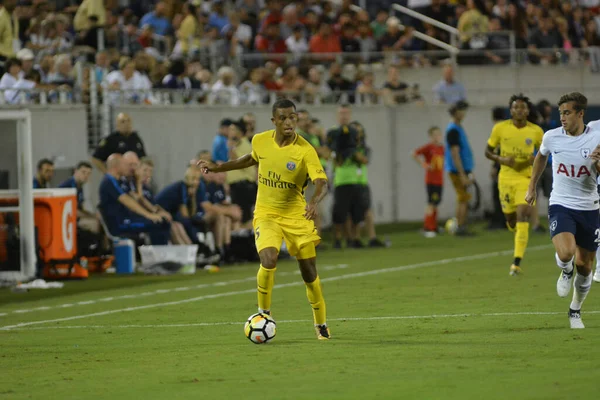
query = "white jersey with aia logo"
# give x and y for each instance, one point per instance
(574, 174)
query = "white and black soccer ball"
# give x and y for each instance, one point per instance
(260, 328)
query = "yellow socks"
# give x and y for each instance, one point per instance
(521, 239)
(316, 300)
(265, 280)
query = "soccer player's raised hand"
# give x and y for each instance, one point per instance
(310, 211)
(206, 166)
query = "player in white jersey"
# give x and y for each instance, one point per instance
(573, 213)
(596, 126)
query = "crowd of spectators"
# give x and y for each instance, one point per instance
(232, 52)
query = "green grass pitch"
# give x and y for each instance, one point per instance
(425, 319)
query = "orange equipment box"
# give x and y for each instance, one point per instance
(55, 216)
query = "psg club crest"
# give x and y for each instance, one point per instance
(585, 153)
(291, 165)
(528, 141)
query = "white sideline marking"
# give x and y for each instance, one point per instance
(291, 321)
(164, 291)
(297, 283)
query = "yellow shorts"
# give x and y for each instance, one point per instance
(462, 196)
(512, 193)
(300, 235)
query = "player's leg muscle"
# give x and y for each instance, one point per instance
(564, 244)
(308, 269)
(268, 257)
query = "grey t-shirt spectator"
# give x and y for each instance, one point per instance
(449, 93)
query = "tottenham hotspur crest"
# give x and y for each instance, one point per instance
(585, 153)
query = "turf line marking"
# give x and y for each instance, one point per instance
(297, 283)
(163, 291)
(291, 321)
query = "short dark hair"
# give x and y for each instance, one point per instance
(579, 100)
(241, 125)
(519, 97)
(44, 161)
(283, 103)
(498, 113)
(12, 61)
(83, 164)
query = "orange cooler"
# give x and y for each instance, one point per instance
(55, 216)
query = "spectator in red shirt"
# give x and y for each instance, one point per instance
(274, 15)
(270, 77)
(431, 158)
(270, 41)
(325, 42)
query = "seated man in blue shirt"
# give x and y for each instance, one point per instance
(144, 175)
(188, 203)
(85, 219)
(122, 213)
(45, 173)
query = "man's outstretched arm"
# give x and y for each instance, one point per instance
(240, 163)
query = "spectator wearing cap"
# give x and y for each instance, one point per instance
(9, 30)
(448, 90)
(157, 19)
(242, 183)
(121, 141)
(220, 152)
(26, 57)
(459, 162)
(44, 174)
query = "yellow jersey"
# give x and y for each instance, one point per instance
(517, 143)
(283, 173)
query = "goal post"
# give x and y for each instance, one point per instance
(25, 190)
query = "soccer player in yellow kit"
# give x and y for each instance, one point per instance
(517, 139)
(285, 163)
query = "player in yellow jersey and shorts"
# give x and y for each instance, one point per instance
(517, 139)
(285, 163)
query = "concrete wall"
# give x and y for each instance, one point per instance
(58, 132)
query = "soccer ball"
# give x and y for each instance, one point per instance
(260, 328)
(451, 226)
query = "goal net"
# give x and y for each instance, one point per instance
(17, 237)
